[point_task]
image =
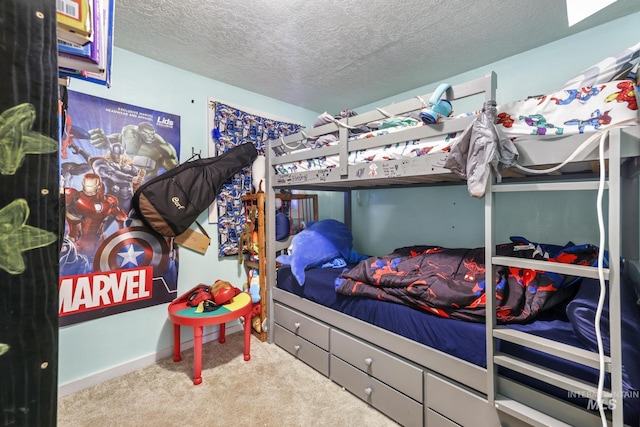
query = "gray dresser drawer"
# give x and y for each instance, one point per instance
(394, 404)
(299, 324)
(391, 370)
(434, 419)
(309, 353)
(447, 398)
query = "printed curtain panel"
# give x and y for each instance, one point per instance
(231, 126)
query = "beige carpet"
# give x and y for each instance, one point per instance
(272, 389)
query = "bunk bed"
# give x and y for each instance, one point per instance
(420, 368)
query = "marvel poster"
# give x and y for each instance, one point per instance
(110, 262)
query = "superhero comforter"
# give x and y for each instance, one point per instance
(451, 282)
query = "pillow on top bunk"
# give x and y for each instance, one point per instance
(614, 67)
(581, 311)
(323, 119)
(322, 140)
(321, 242)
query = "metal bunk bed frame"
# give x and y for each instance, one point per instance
(506, 397)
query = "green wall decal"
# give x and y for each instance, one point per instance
(17, 237)
(17, 139)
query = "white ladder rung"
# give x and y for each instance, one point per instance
(556, 267)
(565, 382)
(525, 413)
(555, 348)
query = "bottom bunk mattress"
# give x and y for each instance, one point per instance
(466, 340)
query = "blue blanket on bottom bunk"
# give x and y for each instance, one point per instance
(466, 340)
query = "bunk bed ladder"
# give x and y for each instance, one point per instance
(513, 400)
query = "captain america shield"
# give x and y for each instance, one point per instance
(132, 247)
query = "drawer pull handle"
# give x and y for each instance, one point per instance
(296, 347)
(368, 391)
(297, 325)
(368, 361)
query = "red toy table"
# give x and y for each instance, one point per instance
(181, 314)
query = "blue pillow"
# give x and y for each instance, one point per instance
(320, 242)
(283, 225)
(581, 311)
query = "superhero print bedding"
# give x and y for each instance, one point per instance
(451, 282)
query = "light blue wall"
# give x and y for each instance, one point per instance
(543, 69)
(448, 215)
(91, 347)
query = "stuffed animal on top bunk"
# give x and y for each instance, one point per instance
(619, 66)
(326, 118)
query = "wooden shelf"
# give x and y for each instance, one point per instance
(257, 200)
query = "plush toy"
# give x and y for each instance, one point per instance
(255, 248)
(254, 286)
(246, 237)
(320, 242)
(258, 173)
(256, 311)
(255, 323)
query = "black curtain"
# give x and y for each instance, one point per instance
(29, 213)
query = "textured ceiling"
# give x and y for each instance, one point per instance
(325, 55)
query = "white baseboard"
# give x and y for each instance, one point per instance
(136, 364)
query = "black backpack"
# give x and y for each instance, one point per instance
(171, 202)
